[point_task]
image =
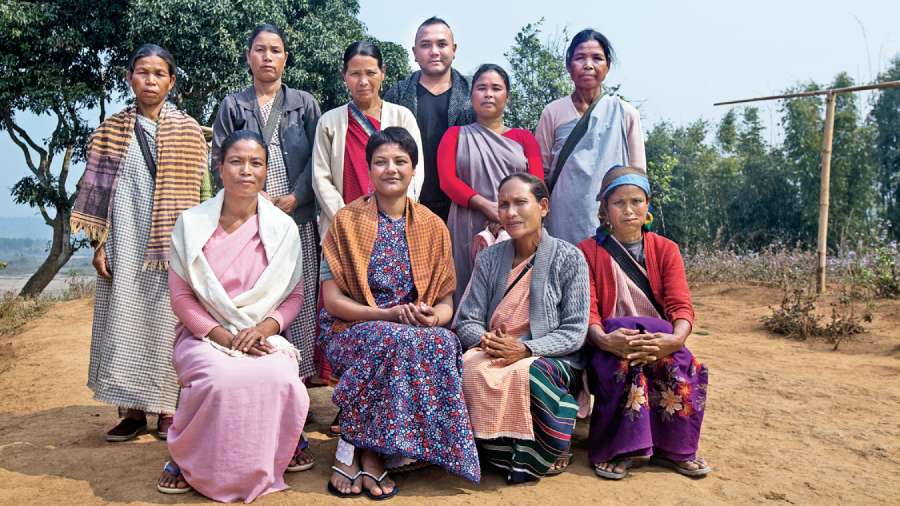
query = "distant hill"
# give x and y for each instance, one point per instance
(24, 227)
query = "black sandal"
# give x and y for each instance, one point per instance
(337, 493)
(378, 481)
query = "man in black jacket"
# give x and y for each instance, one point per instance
(439, 97)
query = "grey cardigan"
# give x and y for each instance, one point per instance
(296, 131)
(559, 302)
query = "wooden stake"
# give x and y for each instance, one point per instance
(822, 246)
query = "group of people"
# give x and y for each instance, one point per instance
(469, 289)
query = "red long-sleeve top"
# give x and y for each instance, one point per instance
(665, 269)
(457, 189)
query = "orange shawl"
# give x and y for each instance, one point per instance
(351, 238)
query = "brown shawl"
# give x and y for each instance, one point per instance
(181, 162)
(351, 238)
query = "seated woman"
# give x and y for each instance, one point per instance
(388, 284)
(649, 391)
(524, 317)
(234, 286)
(472, 160)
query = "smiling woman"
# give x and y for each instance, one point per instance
(388, 285)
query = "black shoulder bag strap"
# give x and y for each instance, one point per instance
(519, 277)
(268, 130)
(571, 141)
(627, 263)
(145, 147)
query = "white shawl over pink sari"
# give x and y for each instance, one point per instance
(239, 418)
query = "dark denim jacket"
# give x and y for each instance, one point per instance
(297, 132)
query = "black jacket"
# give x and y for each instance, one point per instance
(297, 131)
(459, 110)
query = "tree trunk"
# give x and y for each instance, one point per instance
(60, 252)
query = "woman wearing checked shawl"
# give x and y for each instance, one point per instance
(144, 166)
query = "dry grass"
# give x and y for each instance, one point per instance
(16, 311)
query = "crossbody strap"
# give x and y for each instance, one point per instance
(268, 130)
(571, 141)
(141, 136)
(521, 275)
(618, 253)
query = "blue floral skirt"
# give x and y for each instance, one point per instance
(400, 392)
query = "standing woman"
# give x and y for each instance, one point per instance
(144, 167)
(473, 159)
(286, 119)
(340, 172)
(583, 135)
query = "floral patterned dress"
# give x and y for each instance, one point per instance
(400, 388)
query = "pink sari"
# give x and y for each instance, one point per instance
(239, 419)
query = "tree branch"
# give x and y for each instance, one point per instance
(8, 122)
(64, 171)
(47, 219)
(22, 133)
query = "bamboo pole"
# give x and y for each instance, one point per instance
(849, 89)
(824, 185)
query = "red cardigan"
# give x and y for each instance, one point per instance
(665, 269)
(455, 188)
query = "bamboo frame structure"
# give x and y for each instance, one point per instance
(825, 179)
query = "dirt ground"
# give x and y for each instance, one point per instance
(786, 422)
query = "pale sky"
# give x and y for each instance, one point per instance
(674, 58)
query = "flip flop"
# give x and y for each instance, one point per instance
(172, 469)
(378, 481)
(302, 445)
(612, 475)
(337, 493)
(671, 464)
(560, 470)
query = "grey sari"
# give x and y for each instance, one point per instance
(573, 205)
(483, 158)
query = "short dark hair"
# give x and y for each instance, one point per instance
(362, 48)
(537, 187)
(586, 35)
(148, 50)
(243, 135)
(491, 67)
(433, 20)
(393, 135)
